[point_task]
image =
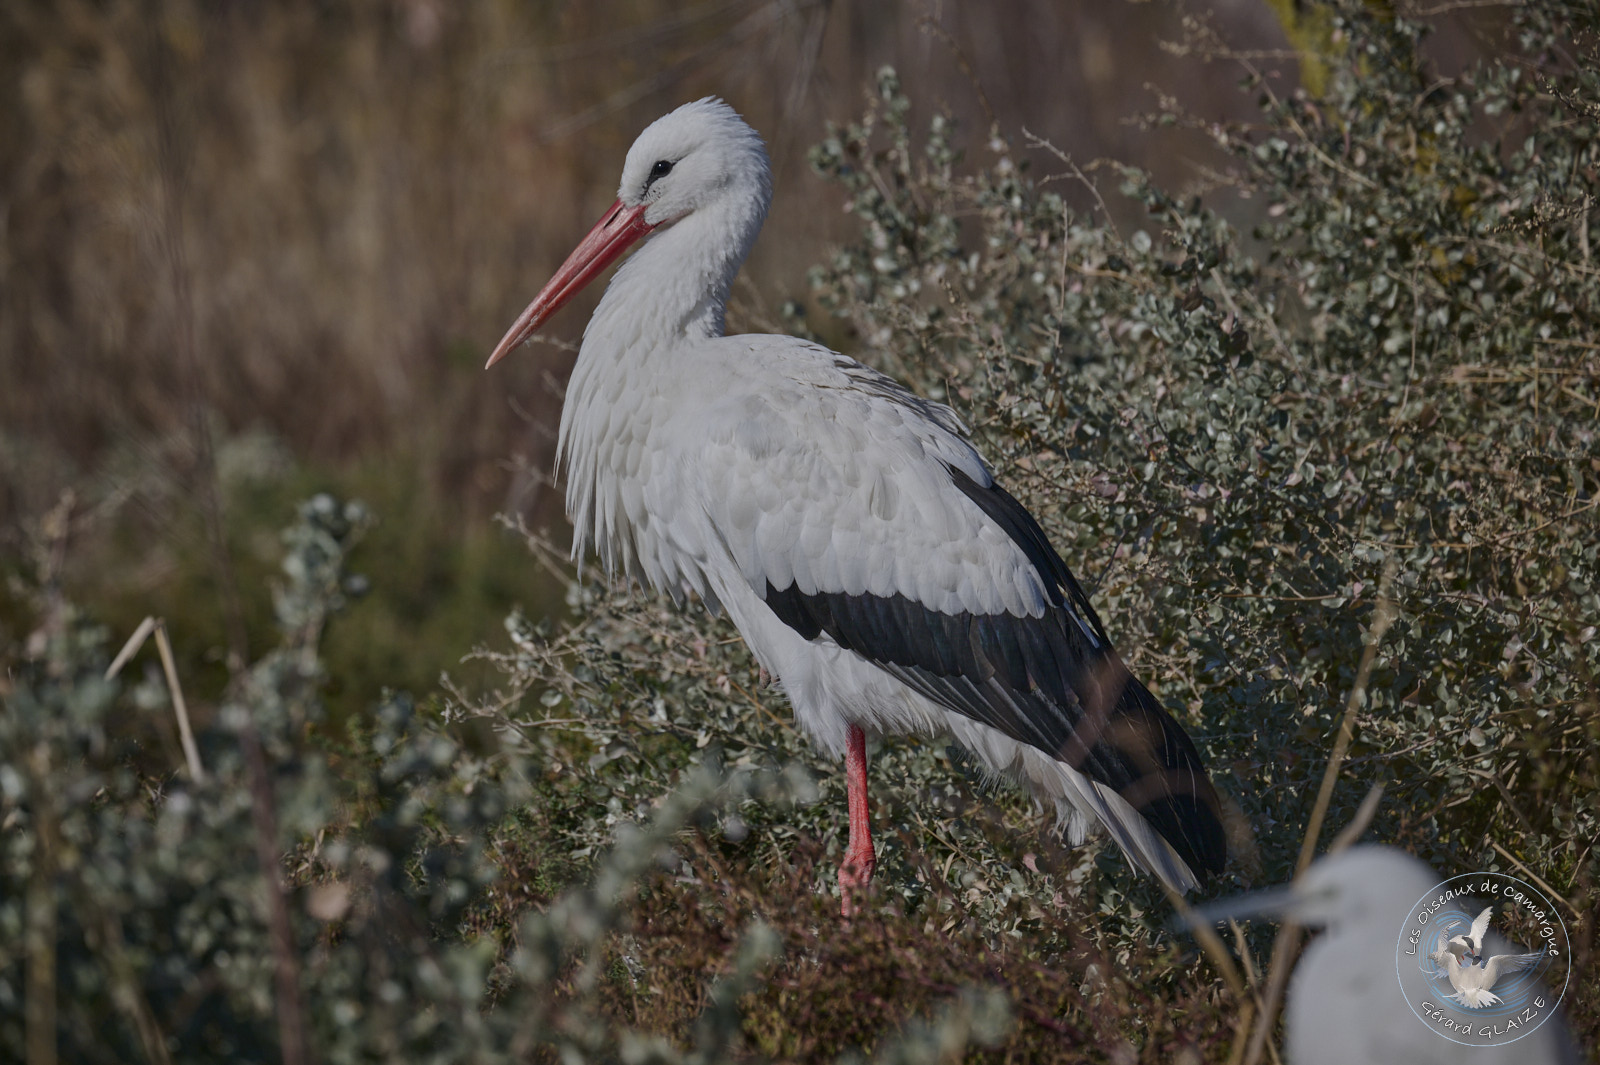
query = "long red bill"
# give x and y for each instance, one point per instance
(614, 234)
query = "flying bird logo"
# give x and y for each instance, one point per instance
(1473, 982)
(1469, 948)
(1465, 968)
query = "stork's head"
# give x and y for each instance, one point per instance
(702, 159)
(701, 155)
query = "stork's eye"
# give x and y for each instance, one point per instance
(662, 168)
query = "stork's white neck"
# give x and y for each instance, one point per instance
(675, 287)
(640, 344)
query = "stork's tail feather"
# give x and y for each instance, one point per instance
(1166, 783)
(1145, 847)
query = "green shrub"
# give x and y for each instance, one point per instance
(1231, 449)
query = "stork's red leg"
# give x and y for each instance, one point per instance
(859, 857)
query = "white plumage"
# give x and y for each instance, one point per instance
(1470, 946)
(1474, 984)
(1344, 1003)
(851, 532)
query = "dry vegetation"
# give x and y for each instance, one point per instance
(603, 840)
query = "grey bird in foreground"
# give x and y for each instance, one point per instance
(1344, 1005)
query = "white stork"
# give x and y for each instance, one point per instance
(853, 535)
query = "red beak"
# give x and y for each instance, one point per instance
(614, 234)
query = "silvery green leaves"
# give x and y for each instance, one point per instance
(1397, 365)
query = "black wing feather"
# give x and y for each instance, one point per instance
(1041, 681)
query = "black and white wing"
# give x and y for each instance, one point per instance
(861, 516)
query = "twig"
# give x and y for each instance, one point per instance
(1324, 157)
(1211, 943)
(1284, 946)
(1227, 297)
(1271, 324)
(125, 990)
(39, 935)
(540, 547)
(263, 811)
(1035, 141)
(1411, 370)
(1288, 938)
(1383, 617)
(191, 753)
(1530, 874)
(1358, 824)
(1242, 1025)
(131, 648)
(1457, 5)
(1242, 948)
(928, 24)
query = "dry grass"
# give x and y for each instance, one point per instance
(314, 221)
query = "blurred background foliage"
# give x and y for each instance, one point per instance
(251, 250)
(1324, 340)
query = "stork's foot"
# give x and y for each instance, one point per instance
(854, 876)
